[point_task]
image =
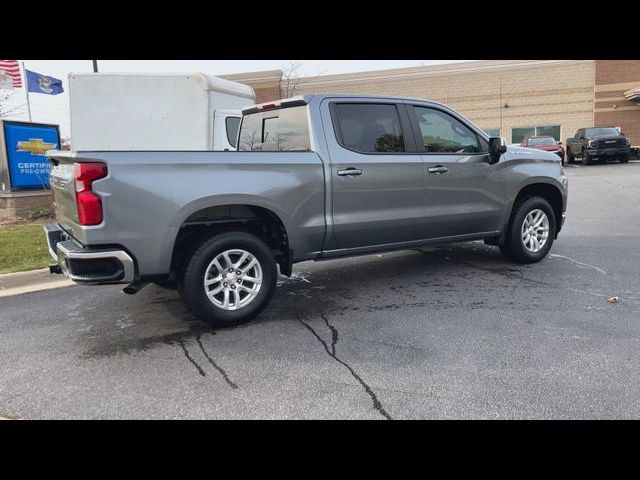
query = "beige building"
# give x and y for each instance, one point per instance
(511, 98)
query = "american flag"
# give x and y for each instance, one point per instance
(12, 70)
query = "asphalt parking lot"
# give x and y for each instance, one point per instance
(444, 332)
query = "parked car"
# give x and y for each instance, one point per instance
(546, 143)
(314, 178)
(598, 143)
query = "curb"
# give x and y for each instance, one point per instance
(31, 281)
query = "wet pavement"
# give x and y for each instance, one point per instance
(441, 332)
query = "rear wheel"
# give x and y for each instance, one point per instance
(531, 231)
(229, 279)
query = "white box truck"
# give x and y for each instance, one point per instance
(155, 111)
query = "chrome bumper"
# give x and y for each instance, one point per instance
(88, 266)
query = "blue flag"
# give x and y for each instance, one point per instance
(38, 83)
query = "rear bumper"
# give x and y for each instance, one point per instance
(88, 265)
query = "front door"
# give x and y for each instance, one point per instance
(464, 194)
(377, 177)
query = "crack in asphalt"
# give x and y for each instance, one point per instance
(200, 370)
(334, 334)
(215, 365)
(190, 358)
(332, 353)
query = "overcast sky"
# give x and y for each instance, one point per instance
(55, 108)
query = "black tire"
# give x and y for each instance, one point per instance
(624, 159)
(513, 246)
(586, 159)
(192, 287)
(570, 158)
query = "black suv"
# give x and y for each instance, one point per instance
(598, 143)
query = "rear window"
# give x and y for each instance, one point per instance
(536, 142)
(283, 130)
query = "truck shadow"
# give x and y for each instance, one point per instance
(434, 275)
(438, 276)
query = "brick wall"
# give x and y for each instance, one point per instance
(572, 94)
(612, 79)
(265, 84)
(538, 93)
(23, 205)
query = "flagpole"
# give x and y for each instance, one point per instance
(26, 87)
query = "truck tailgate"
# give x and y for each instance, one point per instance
(63, 188)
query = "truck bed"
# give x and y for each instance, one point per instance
(147, 196)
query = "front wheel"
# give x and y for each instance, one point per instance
(570, 159)
(531, 231)
(229, 279)
(586, 159)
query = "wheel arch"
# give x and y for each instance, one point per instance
(201, 219)
(549, 191)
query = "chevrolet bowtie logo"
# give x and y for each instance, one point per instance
(35, 145)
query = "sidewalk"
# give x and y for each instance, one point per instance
(31, 281)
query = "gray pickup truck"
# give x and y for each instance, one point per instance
(314, 178)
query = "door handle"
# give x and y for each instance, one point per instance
(439, 169)
(350, 172)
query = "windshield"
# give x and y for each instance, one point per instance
(602, 132)
(535, 142)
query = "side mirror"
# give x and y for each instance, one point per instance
(497, 146)
(559, 142)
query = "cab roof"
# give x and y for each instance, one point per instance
(307, 99)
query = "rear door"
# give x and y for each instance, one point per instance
(377, 176)
(465, 194)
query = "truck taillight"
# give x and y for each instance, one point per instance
(88, 203)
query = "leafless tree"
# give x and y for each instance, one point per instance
(249, 143)
(65, 143)
(291, 78)
(6, 107)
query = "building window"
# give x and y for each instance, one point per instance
(492, 132)
(517, 134)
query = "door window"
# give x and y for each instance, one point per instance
(442, 133)
(232, 124)
(369, 127)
